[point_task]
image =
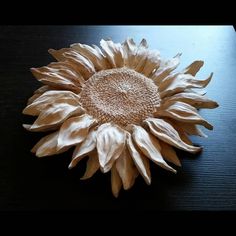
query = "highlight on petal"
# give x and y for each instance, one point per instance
(126, 169)
(116, 182)
(47, 146)
(193, 68)
(141, 162)
(92, 166)
(74, 130)
(49, 97)
(113, 52)
(169, 154)
(165, 68)
(182, 112)
(165, 132)
(110, 144)
(84, 148)
(183, 82)
(192, 99)
(149, 146)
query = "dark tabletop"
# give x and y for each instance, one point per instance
(205, 182)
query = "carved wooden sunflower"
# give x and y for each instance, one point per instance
(121, 106)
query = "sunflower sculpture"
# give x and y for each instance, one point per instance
(121, 106)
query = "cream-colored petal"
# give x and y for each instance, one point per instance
(110, 144)
(47, 146)
(114, 52)
(84, 148)
(56, 79)
(74, 130)
(141, 162)
(50, 97)
(92, 166)
(97, 58)
(53, 115)
(149, 146)
(169, 153)
(165, 69)
(182, 112)
(58, 54)
(116, 182)
(192, 129)
(183, 82)
(129, 49)
(193, 68)
(152, 63)
(166, 132)
(82, 64)
(192, 99)
(126, 169)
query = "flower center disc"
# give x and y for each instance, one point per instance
(122, 96)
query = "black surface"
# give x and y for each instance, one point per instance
(205, 182)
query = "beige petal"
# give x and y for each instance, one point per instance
(169, 153)
(152, 63)
(92, 166)
(49, 97)
(141, 162)
(193, 68)
(116, 182)
(97, 58)
(113, 52)
(110, 144)
(192, 99)
(166, 132)
(149, 146)
(183, 82)
(129, 48)
(165, 68)
(192, 129)
(54, 115)
(58, 54)
(74, 130)
(82, 64)
(47, 146)
(84, 148)
(57, 79)
(126, 169)
(182, 112)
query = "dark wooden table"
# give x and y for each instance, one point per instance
(205, 182)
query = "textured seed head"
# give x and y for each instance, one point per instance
(122, 96)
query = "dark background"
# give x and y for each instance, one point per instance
(205, 182)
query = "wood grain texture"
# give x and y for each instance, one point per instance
(205, 182)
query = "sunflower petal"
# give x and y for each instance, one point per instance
(182, 112)
(166, 132)
(116, 182)
(193, 68)
(58, 54)
(165, 69)
(192, 99)
(110, 144)
(82, 64)
(50, 97)
(169, 154)
(92, 166)
(149, 146)
(114, 52)
(84, 148)
(183, 82)
(47, 146)
(141, 162)
(129, 48)
(192, 129)
(54, 115)
(74, 130)
(126, 169)
(97, 58)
